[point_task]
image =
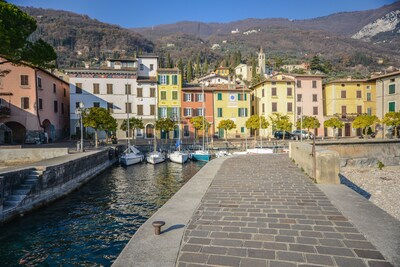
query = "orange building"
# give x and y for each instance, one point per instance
(33, 102)
(192, 106)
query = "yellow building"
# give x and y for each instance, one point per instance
(232, 102)
(222, 71)
(169, 95)
(346, 99)
(274, 95)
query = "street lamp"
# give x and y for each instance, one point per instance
(79, 112)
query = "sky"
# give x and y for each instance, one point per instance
(134, 14)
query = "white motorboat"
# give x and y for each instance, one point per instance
(155, 157)
(179, 157)
(131, 156)
(260, 151)
(222, 153)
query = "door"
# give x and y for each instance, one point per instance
(221, 133)
(347, 129)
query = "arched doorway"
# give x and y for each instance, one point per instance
(149, 131)
(18, 131)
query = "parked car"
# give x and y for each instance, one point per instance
(279, 135)
(302, 133)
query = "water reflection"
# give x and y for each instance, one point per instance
(91, 226)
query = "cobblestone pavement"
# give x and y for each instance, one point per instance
(263, 211)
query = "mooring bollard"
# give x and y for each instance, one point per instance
(157, 227)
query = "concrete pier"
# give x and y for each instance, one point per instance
(261, 210)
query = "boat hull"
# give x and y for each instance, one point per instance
(155, 158)
(127, 160)
(178, 157)
(201, 157)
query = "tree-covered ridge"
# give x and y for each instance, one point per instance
(78, 38)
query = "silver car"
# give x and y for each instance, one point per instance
(302, 133)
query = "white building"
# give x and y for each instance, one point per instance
(124, 86)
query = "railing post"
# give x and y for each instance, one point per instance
(1, 196)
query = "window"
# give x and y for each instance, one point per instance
(299, 96)
(219, 112)
(288, 83)
(163, 112)
(199, 98)
(392, 80)
(358, 85)
(187, 112)
(358, 94)
(343, 85)
(139, 92)
(219, 96)
(368, 96)
(392, 89)
(252, 97)
(359, 109)
(242, 112)
(289, 91)
(139, 132)
(163, 79)
(289, 107)
(54, 88)
(152, 92)
(186, 132)
(174, 79)
(55, 106)
(175, 111)
(39, 82)
(242, 129)
(343, 94)
(315, 111)
(187, 97)
(96, 88)
(392, 106)
(314, 84)
(141, 67)
(262, 93)
(96, 104)
(369, 111)
(151, 67)
(344, 111)
(78, 88)
(273, 91)
(298, 84)
(263, 108)
(65, 92)
(128, 107)
(25, 102)
(40, 103)
(298, 110)
(62, 108)
(174, 95)
(163, 95)
(110, 107)
(139, 109)
(109, 89)
(273, 83)
(200, 112)
(76, 104)
(153, 110)
(128, 89)
(274, 107)
(314, 98)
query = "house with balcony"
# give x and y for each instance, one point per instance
(34, 103)
(346, 99)
(125, 87)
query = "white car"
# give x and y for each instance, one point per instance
(304, 133)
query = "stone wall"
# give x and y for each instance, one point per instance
(56, 181)
(361, 153)
(327, 162)
(28, 155)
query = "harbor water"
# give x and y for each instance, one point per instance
(91, 226)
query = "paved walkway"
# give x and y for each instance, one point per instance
(268, 213)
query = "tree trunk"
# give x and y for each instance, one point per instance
(96, 143)
(226, 135)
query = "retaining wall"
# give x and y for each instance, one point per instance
(327, 162)
(57, 180)
(28, 155)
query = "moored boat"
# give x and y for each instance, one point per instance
(155, 157)
(131, 156)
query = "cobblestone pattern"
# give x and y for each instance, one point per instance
(263, 211)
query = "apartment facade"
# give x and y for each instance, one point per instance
(33, 101)
(346, 99)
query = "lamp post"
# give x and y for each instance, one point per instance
(79, 112)
(260, 129)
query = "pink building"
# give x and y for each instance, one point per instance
(33, 101)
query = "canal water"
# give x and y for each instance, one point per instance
(91, 226)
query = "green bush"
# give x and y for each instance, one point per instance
(380, 165)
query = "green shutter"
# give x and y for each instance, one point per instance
(245, 114)
(245, 97)
(159, 113)
(239, 97)
(167, 79)
(242, 129)
(238, 112)
(159, 79)
(392, 88)
(392, 106)
(169, 112)
(174, 80)
(219, 96)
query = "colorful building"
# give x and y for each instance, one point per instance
(222, 71)
(231, 102)
(33, 101)
(346, 99)
(169, 96)
(195, 104)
